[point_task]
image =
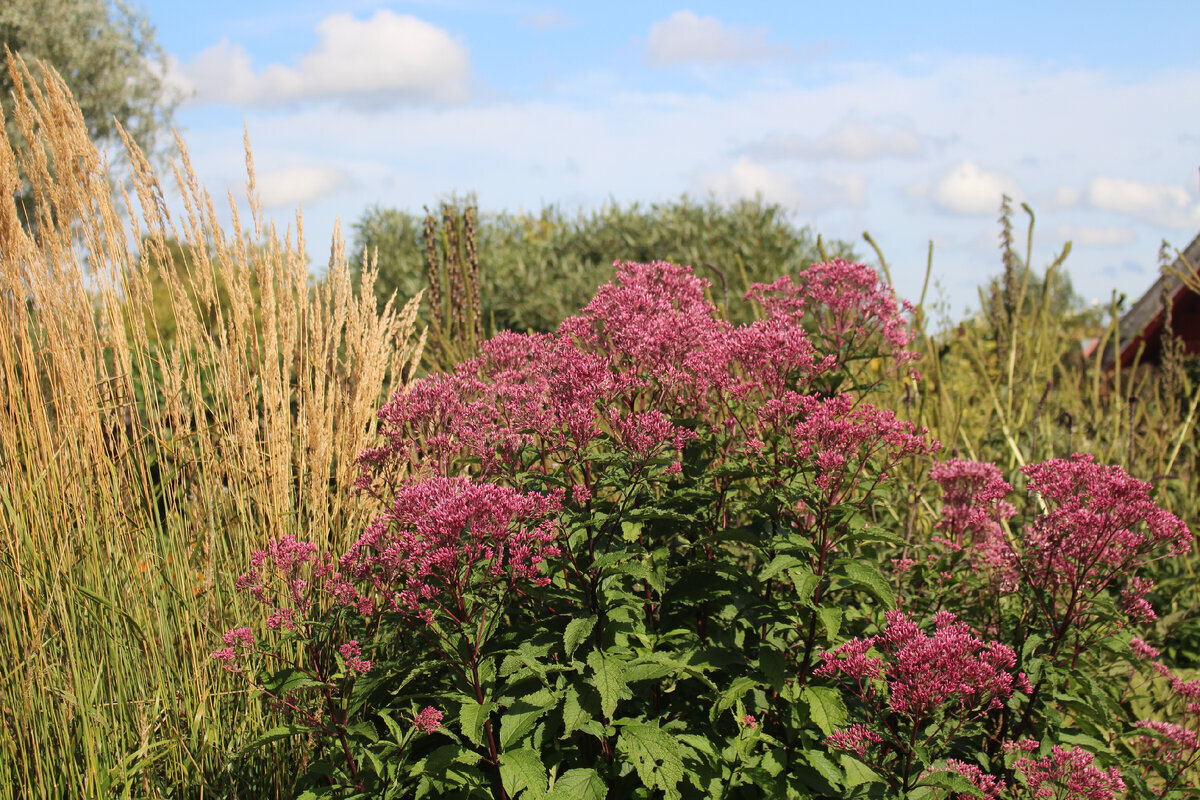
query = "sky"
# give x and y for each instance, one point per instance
(907, 120)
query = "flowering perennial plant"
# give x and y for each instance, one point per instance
(919, 692)
(646, 556)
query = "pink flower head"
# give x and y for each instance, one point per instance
(839, 438)
(352, 654)
(428, 720)
(239, 637)
(1142, 649)
(949, 672)
(443, 536)
(857, 739)
(655, 322)
(750, 722)
(1102, 527)
(1172, 744)
(853, 310)
(1068, 774)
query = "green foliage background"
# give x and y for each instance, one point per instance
(535, 270)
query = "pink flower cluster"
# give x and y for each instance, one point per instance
(276, 579)
(949, 674)
(1069, 774)
(850, 306)
(352, 653)
(839, 438)
(439, 537)
(1101, 527)
(428, 720)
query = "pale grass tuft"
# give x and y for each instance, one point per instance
(172, 395)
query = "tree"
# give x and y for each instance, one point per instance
(105, 52)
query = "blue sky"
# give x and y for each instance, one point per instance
(905, 119)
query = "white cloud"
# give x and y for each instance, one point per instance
(380, 61)
(852, 141)
(746, 179)
(293, 186)
(684, 37)
(1162, 204)
(969, 189)
(1096, 236)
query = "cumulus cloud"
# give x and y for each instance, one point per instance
(384, 60)
(1161, 204)
(970, 189)
(293, 186)
(684, 37)
(852, 141)
(1096, 236)
(747, 179)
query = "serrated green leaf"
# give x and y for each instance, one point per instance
(609, 672)
(578, 784)
(950, 781)
(630, 531)
(655, 755)
(576, 631)
(522, 771)
(737, 687)
(867, 577)
(831, 621)
(825, 707)
(574, 715)
(826, 768)
(395, 728)
(804, 581)
(520, 717)
(471, 716)
(857, 773)
(777, 565)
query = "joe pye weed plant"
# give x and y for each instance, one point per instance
(649, 555)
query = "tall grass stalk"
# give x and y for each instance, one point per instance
(1015, 385)
(139, 470)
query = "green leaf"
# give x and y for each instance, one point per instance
(825, 707)
(857, 773)
(777, 565)
(827, 769)
(578, 784)
(804, 581)
(471, 716)
(630, 531)
(737, 687)
(609, 681)
(655, 755)
(523, 769)
(950, 781)
(290, 680)
(771, 665)
(577, 630)
(868, 577)
(831, 621)
(276, 734)
(574, 715)
(521, 716)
